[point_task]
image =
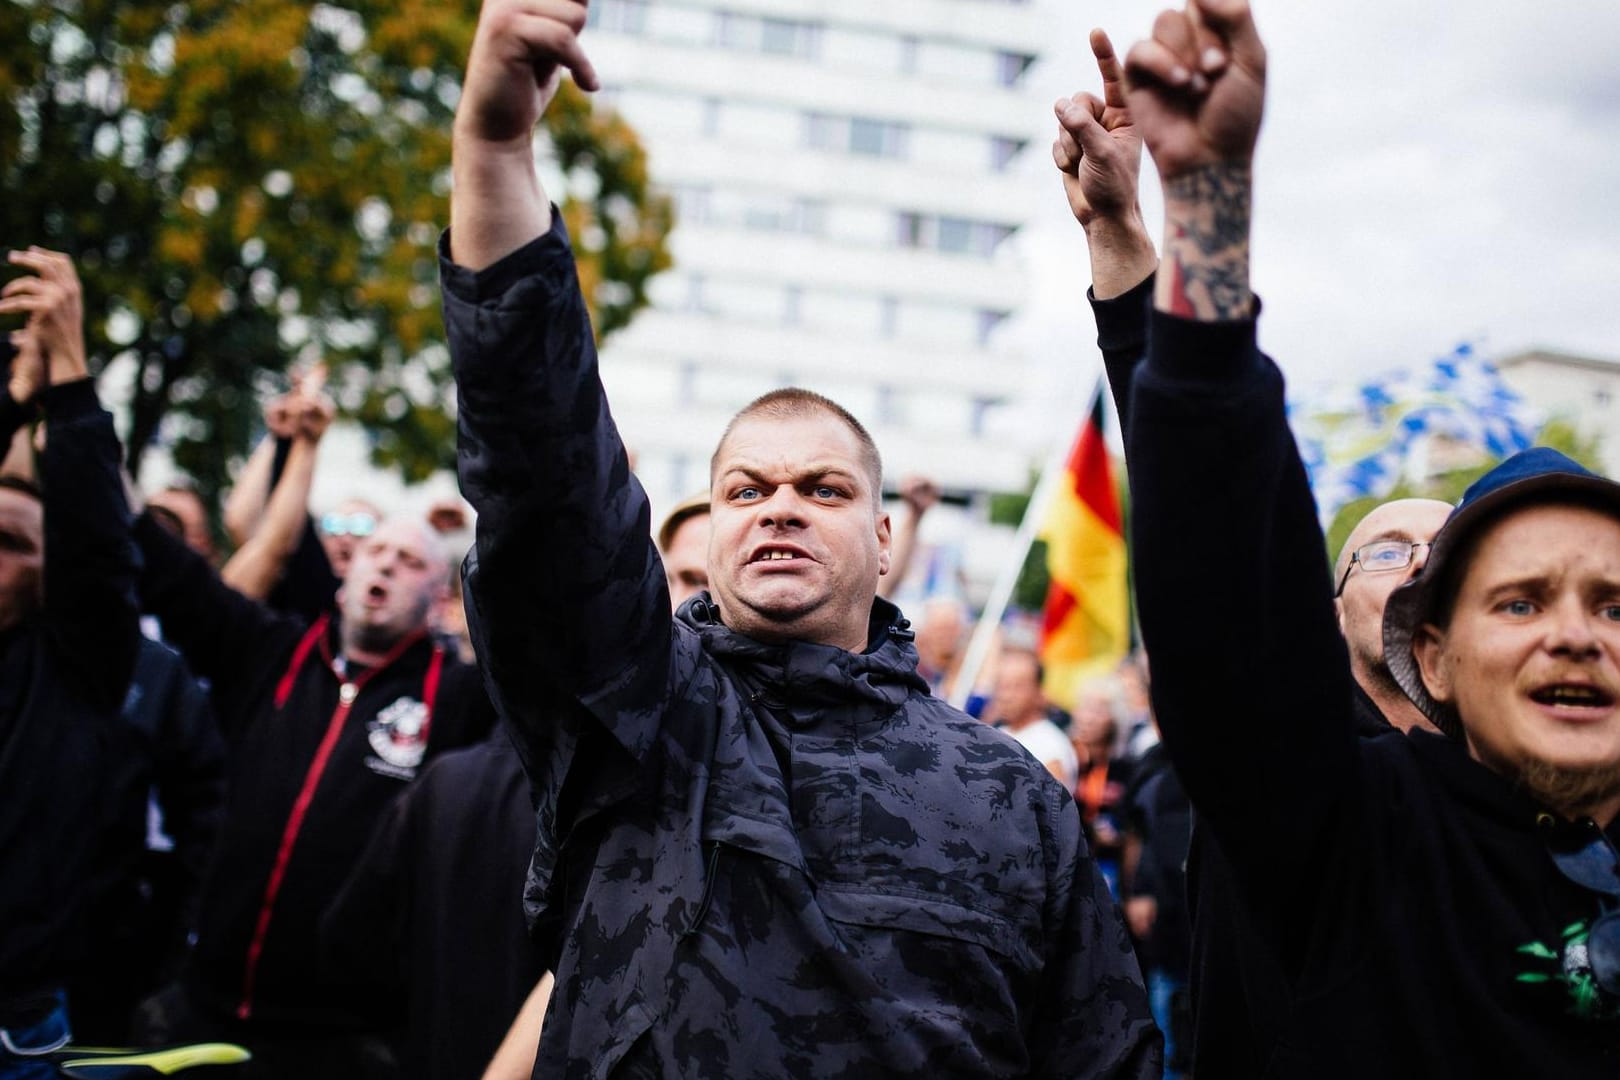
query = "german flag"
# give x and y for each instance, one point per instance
(1085, 628)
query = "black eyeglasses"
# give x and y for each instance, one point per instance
(1379, 557)
(1594, 865)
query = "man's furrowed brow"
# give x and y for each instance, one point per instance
(797, 474)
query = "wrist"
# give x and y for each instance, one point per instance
(1206, 243)
(1116, 225)
(1122, 255)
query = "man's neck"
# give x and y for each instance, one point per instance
(366, 654)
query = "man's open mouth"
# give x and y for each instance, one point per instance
(775, 555)
(1573, 695)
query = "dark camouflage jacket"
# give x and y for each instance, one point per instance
(755, 860)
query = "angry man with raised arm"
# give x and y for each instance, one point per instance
(763, 848)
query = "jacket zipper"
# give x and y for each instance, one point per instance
(348, 691)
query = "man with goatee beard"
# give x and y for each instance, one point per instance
(1443, 904)
(326, 723)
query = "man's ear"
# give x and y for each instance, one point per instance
(1338, 613)
(1429, 650)
(885, 542)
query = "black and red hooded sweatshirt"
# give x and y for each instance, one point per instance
(318, 750)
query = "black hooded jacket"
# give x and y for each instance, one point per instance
(63, 673)
(780, 857)
(314, 761)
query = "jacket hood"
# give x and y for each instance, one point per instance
(818, 676)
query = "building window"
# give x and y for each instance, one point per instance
(1002, 152)
(695, 300)
(857, 135)
(686, 384)
(618, 16)
(711, 117)
(888, 316)
(693, 203)
(888, 404)
(790, 37)
(876, 138)
(910, 230)
(988, 322)
(779, 37)
(955, 235)
(1010, 68)
(978, 415)
(909, 46)
(792, 302)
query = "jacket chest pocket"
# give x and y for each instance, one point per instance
(930, 931)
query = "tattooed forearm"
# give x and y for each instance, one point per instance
(1206, 244)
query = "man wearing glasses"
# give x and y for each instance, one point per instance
(1435, 905)
(1386, 549)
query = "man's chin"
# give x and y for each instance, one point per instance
(772, 617)
(1573, 789)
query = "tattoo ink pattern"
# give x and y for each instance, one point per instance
(1206, 246)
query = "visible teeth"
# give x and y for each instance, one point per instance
(1573, 695)
(772, 556)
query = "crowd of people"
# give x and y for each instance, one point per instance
(685, 801)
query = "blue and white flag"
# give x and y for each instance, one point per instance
(1359, 440)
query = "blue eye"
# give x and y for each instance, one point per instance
(1518, 607)
(746, 493)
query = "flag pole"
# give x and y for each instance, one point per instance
(995, 607)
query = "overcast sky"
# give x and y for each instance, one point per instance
(1428, 173)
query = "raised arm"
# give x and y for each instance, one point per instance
(518, 55)
(89, 591)
(566, 598)
(1232, 589)
(262, 559)
(919, 494)
(1098, 151)
(244, 506)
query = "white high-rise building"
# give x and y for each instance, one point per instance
(842, 175)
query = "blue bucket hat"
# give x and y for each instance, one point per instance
(1530, 477)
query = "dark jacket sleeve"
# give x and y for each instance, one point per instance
(237, 644)
(13, 415)
(566, 599)
(1251, 682)
(90, 563)
(1094, 1018)
(1122, 337)
(189, 778)
(307, 584)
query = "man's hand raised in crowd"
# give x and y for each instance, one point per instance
(1099, 152)
(304, 412)
(53, 301)
(518, 54)
(1197, 90)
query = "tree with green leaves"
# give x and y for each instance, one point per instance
(250, 184)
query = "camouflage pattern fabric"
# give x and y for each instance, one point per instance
(753, 860)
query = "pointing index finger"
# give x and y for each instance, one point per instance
(1113, 75)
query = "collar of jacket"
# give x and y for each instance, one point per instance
(805, 676)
